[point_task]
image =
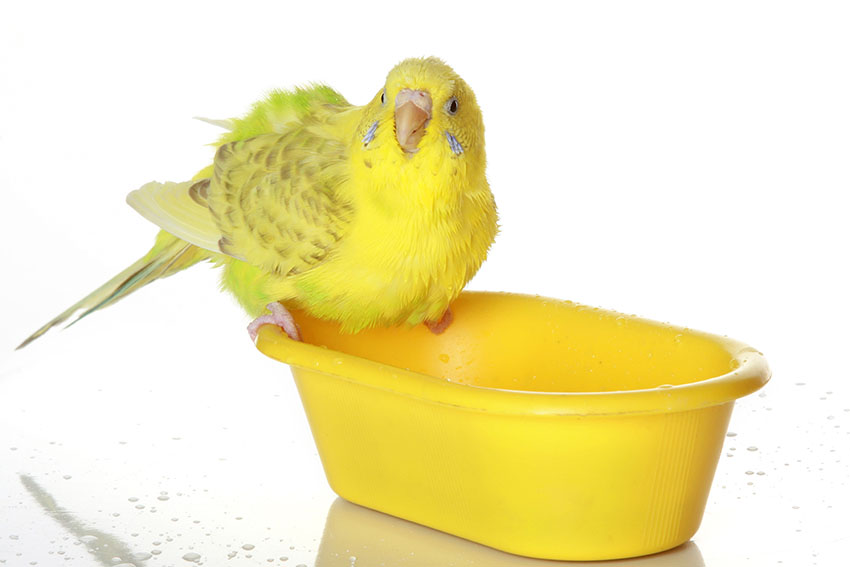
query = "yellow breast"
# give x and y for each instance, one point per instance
(422, 228)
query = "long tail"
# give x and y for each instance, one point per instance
(168, 256)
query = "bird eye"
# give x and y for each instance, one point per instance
(384, 97)
(451, 106)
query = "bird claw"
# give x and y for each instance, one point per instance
(441, 325)
(279, 316)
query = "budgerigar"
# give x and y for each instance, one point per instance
(374, 215)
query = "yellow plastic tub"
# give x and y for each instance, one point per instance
(534, 426)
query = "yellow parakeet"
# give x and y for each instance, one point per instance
(372, 215)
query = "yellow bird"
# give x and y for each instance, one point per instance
(374, 215)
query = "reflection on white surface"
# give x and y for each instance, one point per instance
(102, 546)
(356, 536)
(353, 536)
(147, 464)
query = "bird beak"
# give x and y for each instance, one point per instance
(412, 114)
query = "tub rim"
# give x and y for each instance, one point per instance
(751, 373)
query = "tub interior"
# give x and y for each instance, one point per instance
(535, 344)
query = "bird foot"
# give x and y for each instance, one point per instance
(441, 325)
(279, 316)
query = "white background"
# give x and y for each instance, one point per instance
(687, 163)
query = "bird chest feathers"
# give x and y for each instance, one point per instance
(415, 239)
(422, 218)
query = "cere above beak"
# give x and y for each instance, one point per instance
(412, 114)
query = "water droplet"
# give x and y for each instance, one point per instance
(156, 551)
(140, 556)
(133, 499)
(752, 448)
(749, 472)
(731, 434)
(192, 556)
(444, 358)
(67, 477)
(248, 547)
(163, 497)
(88, 539)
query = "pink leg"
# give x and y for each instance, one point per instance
(442, 324)
(279, 316)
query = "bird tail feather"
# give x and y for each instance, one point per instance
(168, 256)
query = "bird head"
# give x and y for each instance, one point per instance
(430, 109)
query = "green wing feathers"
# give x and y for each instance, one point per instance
(273, 197)
(168, 256)
(273, 200)
(180, 209)
(277, 199)
(281, 109)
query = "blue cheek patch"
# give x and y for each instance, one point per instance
(370, 134)
(454, 144)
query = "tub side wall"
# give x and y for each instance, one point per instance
(556, 487)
